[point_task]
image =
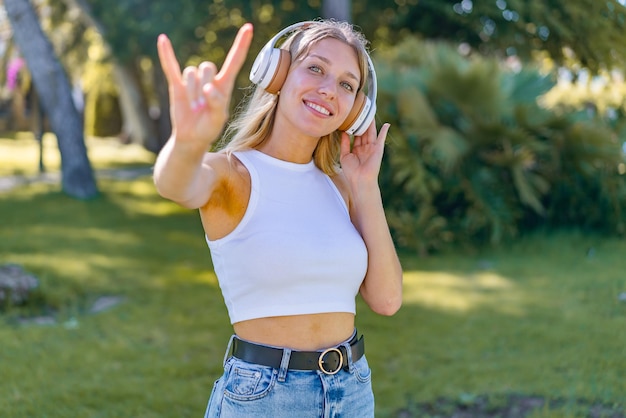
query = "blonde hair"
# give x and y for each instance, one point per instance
(254, 119)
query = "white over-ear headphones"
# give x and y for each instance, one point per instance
(270, 70)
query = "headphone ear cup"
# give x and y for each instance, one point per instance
(369, 113)
(260, 65)
(279, 73)
(270, 68)
(355, 113)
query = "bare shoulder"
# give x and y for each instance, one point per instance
(229, 197)
(229, 173)
(222, 163)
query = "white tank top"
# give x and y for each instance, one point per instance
(295, 251)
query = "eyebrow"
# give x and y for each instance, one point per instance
(327, 61)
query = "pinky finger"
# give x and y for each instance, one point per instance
(382, 135)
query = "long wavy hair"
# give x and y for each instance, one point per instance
(255, 115)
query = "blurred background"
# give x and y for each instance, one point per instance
(503, 181)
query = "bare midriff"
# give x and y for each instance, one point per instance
(298, 332)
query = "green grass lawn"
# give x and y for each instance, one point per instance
(19, 154)
(541, 317)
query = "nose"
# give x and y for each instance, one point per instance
(328, 87)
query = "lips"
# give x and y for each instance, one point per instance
(318, 108)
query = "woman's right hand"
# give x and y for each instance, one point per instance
(200, 96)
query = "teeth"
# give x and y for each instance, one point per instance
(318, 108)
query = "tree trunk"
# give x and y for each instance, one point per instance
(137, 127)
(55, 93)
(164, 123)
(136, 123)
(337, 9)
(37, 116)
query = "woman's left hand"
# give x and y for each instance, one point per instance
(361, 164)
(382, 287)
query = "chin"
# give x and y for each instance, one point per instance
(313, 132)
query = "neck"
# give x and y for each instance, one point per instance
(289, 145)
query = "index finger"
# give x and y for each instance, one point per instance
(236, 56)
(168, 60)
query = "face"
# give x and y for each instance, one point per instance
(320, 89)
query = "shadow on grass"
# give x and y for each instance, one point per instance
(509, 406)
(127, 239)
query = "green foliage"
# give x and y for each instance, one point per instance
(198, 29)
(102, 110)
(588, 189)
(131, 27)
(591, 33)
(474, 159)
(67, 33)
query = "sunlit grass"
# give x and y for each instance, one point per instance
(540, 317)
(456, 292)
(121, 362)
(19, 155)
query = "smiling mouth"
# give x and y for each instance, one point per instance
(318, 108)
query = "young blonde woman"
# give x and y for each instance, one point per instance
(292, 214)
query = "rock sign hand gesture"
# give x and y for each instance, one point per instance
(200, 96)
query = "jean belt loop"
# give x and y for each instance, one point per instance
(284, 365)
(228, 349)
(348, 349)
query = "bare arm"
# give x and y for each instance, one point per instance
(199, 102)
(382, 287)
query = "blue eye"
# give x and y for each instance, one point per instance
(347, 86)
(315, 69)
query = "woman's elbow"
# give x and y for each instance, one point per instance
(175, 195)
(387, 307)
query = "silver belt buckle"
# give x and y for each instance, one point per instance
(321, 362)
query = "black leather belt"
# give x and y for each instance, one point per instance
(329, 361)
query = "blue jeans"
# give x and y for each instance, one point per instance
(250, 390)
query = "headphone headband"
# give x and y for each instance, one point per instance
(271, 66)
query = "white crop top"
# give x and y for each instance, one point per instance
(295, 251)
